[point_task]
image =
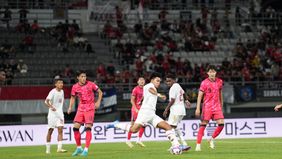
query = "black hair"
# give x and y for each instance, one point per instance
(58, 79)
(154, 75)
(171, 75)
(211, 67)
(78, 73)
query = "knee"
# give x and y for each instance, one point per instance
(221, 125)
(88, 129)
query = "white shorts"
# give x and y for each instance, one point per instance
(54, 122)
(148, 116)
(174, 120)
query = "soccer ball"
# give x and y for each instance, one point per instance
(175, 150)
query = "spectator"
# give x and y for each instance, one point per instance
(75, 26)
(23, 14)
(35, 26)
(22, 67)
(7, 16)
(2, 78)
(68, 72)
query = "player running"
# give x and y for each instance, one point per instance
(211, 93)
(84, 90)
(147, 112)
(55, 101)
(136, 98)
(176, 106)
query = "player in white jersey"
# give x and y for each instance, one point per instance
(177, 107)
(55, 102)
(147, 112)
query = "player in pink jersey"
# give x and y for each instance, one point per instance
(84, 91)
(211, 93)
(136, 99)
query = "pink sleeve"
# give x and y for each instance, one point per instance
(203, 87)
(94, 87)
(221, 84)
(73, 90)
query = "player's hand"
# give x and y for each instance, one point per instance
(69, 110)
(163, 97)
(187, 104)
(97, 104)
(53, 109)
(197, 113)
(277, 107)
(136, 110)
(165, 113)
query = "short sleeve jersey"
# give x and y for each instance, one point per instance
(178, 107)
(86, 96)
(137, 92)
(211, 90)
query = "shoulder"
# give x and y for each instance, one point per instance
(220, 80)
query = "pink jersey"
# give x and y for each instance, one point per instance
(212, 90)
(137, 92)
(85, 93)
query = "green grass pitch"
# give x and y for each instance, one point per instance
(267, 148)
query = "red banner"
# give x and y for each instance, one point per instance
(28, 93)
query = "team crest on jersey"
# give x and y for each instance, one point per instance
(209, 90)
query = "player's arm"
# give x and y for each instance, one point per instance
(49, 105)
(221, 99)
(171, 102)
(186, 101)
(154, 92)
(72, 100)
(199, 100)
(98, 102)
(277, 107)
(132, 101)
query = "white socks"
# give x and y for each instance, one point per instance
(60, 145)
(172, 138)
(48, 147)
(179, 135)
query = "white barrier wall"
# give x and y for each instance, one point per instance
(24, 135)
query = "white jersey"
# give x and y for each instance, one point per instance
(178, 107)
(149, 99)
(57, 100)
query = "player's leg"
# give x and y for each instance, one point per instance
(205, 117)
(140, 134)
(218, 116)
(141, 131)
(128, 142)
(133, 118)
(78, 119)
(160, 123)
(48, 140)
(201, 134)
(60, 140)
(89, 119)
(173, 121)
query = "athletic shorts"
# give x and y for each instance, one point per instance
(134, 115)
(174, 120)
(214, 115)
(148, 116)
(84, 117)
(54, 122)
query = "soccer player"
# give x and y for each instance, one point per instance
(147, 112)
(176, 106)
(84, 90)
(136, 98)
(277, 107)
(55, 101)
(211, 93)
